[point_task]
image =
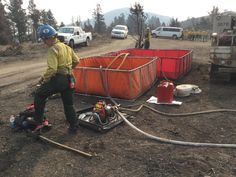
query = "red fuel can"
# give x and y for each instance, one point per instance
(165, 92)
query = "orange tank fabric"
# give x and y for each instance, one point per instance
(120, 77)
(171, 64)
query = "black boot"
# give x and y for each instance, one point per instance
(73, 129)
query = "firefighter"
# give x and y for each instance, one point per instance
(147, 38)
(58, 78)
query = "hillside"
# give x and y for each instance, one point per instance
(188, 23)
(109, 16)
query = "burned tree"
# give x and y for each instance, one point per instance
(138, 18)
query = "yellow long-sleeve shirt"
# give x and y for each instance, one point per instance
(61, 59)
(147, 36)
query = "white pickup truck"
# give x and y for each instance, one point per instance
(74, 35)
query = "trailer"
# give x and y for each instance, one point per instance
(223, 47)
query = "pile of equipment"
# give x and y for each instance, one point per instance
(25, 120)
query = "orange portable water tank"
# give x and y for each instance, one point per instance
(165, 92)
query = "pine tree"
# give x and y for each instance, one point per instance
(52, 21)
(18, 16)
(163, 24)
(34, 15)
(99, 26)
(137, 15)
(214, 12)
(48, 18)
(62, 24)
(174, 22)
(154, 22)
(44, 16)
(78, 22)
(87, 26)
(120, 20)
(5, 30)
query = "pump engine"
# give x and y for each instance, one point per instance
(101, 117)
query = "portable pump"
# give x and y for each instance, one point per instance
(101, 117)
(103, 111)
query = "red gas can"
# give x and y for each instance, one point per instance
(165, 92)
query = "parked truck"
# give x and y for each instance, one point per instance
(74, 35)
(223, 47)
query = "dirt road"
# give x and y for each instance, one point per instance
(16, 74)
(121, 152)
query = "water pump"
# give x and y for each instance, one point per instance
(101, 117)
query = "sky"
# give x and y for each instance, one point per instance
(65, 10)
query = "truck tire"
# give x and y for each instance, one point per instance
(174, 37)
(216, 76)
(212, 73)
(72, 43)
(87, 42)
(154, 35)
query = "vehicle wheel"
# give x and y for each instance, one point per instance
(212, 73)
(174, 37)
(72, 44)
(154, 35)
(87, 42)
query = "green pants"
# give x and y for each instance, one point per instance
(146, 44)
(58, 84)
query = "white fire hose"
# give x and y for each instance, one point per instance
(175, 142)
(164, 140)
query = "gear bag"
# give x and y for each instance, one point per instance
(23, 121)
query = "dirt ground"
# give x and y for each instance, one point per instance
(121, 152)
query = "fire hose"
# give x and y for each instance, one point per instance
(179, 114)
(174, 142)
(159, 139)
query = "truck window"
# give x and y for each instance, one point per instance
(66, 30)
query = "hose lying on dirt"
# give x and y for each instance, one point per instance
(164, 140)
(168, 141)
(179, 114)
(174, 142)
